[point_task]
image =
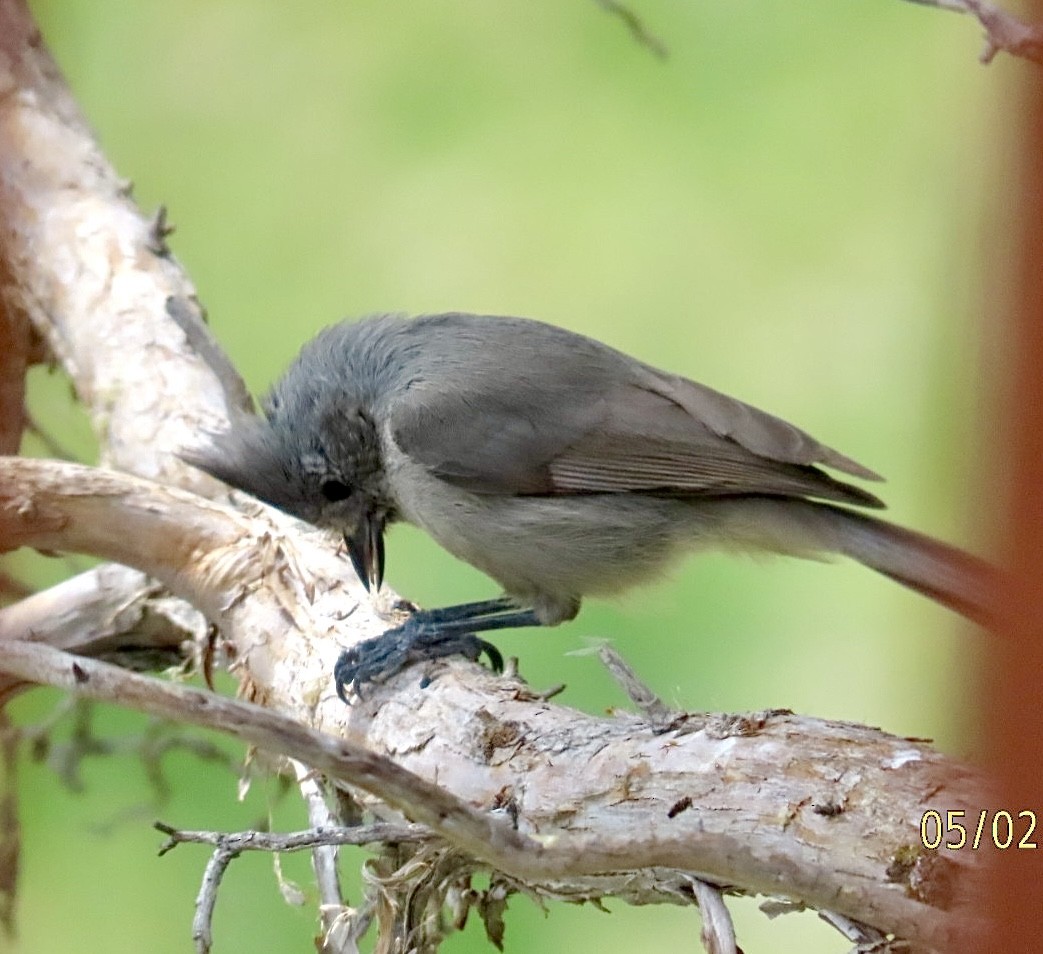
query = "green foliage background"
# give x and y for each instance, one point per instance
(793, 208)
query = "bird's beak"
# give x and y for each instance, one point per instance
(366, 549)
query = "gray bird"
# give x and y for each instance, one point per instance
(555, 464)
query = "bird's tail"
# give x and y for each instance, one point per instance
(944, 573)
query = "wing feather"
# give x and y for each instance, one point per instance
(579, 417)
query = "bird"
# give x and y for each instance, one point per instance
(557, 465)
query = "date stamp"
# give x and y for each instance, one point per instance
(958, 829)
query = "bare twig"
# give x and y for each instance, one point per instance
(1003, 31)
(657, 711)
(341, 927)
(190, 317)
(477, 833)
(324, 857)
(206, 899)
(861, 934)
(307, 840)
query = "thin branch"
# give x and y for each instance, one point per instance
(338, 919)
(636, 26)
(324, 857)
(479, 834)
(190, 317)
(306, 840)
(1003, 31)
(10, 827)
(206, 899)
(657, 711)
(108, 611)
(862, 935)
(341, 926)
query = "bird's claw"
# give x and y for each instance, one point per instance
(414, 641)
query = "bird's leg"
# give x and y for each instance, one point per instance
(430, 634)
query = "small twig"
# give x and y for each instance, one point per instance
(202, 922)
(66, 759)
(338, 919)
(657, 711)
(50, 443)
(473, 831)
(636, 27)
(341, 926)
(1003, 31)
(324, 857)
(305, 840)
(159, 229)
(718, 933)
(158, 738)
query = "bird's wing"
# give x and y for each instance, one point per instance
(559, 423)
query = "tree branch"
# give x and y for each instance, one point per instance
(1003, 31)
(602, 795)
(111, 612)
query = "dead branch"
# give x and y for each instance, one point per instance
(1004, 32)
(111, 611)
(598, 793)
(306, 840)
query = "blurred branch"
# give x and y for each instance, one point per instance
(10, 826)
(635, 25)
(441, 811)
(718, 935)
(15, 347)
(110, 611)
(1003, 31)
(1010, 686)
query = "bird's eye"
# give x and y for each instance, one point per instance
(334, 490)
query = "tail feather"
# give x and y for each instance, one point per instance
(943, 573)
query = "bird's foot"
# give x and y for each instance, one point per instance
(422, 636)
